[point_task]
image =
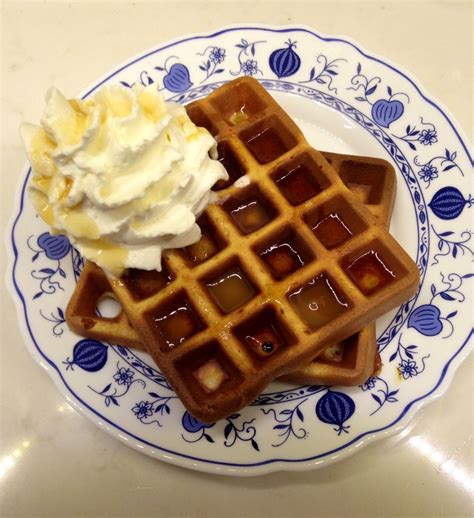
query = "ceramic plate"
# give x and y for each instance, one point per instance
(346, 100)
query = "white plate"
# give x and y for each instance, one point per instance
(345, 100)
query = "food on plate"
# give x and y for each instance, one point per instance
(291, 261)
(349, 362)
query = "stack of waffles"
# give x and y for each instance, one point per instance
(294, 265)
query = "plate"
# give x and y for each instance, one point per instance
(346, 100)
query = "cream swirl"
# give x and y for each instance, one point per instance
(123, 174)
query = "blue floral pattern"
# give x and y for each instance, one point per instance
(427, 319)
(286, 423)
(124, 376)
(244, 431)
(55, 248)
(324, 72)
(248, 65)
(143, 409)
(383, 393)
(449, 202)
(335, 408)
(450, 245)
(429, 171)
(196, 428)
(215, 56)
(113, 391)
(424, 333)
(285, 62)
(427, 136)
(385, 110)
(57, 318)
(89, 355)
(408, 367)
(155, 408)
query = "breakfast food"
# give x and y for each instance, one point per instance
(290, 260)
(252, 309)
(353, 360)
(349, 362)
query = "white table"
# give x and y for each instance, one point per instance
(73, 469)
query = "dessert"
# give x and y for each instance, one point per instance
(349, 362)
(219, 347)
(305, 311)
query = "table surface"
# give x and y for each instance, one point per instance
(71, 468)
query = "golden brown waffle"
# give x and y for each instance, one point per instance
(349, 362)
(223, 328)
(356, 358)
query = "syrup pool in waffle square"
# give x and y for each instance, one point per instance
(264, 335)
(318, 302)
(372, 267)
(174, 321)
(284, 252)
(300, 179)
(143, 284)
(199, 117)
(366, 181)
(240, 106)
(232, 163)
(334, 222)
(210, 244)
(267, 139)
(249, 209)
(230, 286)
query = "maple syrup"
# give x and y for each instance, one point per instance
(332, 231)
(203, 250)
(201, 119)
(239, 117)
(234, 168)
(177, 324)
(282, 258)
(206, 368)
(266, 145)
(143, 284)
(265, 340)
(250, 215)
(298, 185)
(242, 100)
(370, 273)
(230, 290)
(366, 181)
(263, 334)
(317, 302)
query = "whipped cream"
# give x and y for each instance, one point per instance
(123, 174)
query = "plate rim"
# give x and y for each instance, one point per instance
(184, 460)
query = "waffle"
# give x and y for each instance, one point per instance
(349, 362)
(243, 309)
(353, 360)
